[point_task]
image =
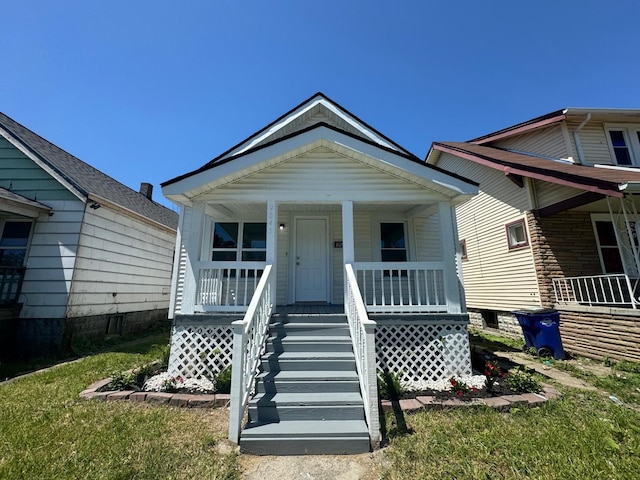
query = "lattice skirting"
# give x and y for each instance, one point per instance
(200, 350)
(414, 351)
(423, 352)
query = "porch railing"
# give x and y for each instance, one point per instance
(10, 284)
(364, 346)
(402, 286)
(227, 286)
(249, 336)
(604, 290)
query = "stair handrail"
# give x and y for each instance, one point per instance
(363, 338)
(249, 337)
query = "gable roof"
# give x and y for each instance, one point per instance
(606, 181)
(569, 113)
(81, 178)
(317, 110)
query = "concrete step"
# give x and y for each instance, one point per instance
(296, 381)
(332, 437)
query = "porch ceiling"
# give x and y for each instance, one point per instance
(260, 209)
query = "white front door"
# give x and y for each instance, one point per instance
(311, 260)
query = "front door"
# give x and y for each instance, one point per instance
(311, 260)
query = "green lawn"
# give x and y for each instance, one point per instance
(47, 431)
(584, 435)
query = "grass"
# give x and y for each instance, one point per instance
(47, 431)
(582, 435)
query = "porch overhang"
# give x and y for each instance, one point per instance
(190, 187)
(15, 204)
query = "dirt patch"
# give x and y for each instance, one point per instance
(365, 466)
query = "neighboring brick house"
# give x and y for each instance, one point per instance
(81, 255)
(555, 225)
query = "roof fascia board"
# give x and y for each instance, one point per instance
(323, 132)
(509, 169)
(518, 129)
(301, 110)
(42, 163)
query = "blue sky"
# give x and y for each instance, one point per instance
(148, 90)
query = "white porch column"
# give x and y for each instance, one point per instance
(448, 239)
(193, 228)
(272, 246)
(348, 242)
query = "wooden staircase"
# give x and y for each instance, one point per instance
(308, 395)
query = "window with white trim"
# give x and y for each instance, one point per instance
(463, 249)
(239, 241)
(393, 247)
(610, 258)
(14, 242)
(517, 234)
(624, 144)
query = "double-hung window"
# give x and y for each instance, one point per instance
(14, 242)
(239, 241)
(624, 144)
(393, 247)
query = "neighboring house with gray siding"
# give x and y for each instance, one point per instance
(81, 255)
(555, 225)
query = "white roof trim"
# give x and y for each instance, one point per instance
(253, 141)
(20, 146)
(282, 150)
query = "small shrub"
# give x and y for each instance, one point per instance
(389, 383)
(123, 381)
(459, 388)
(492, 372)
(223, 380)
(172, 384)
(521, 381)
(165, 353)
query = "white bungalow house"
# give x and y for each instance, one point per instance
(313, 229)
(81, 255)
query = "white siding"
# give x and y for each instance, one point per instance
(336, 255)
(494, 277)
(51, 260)
(427, 234)
(123, 265)
(548, 193)
(547, 141)
(283, 257)
(320, 175)
(182, 264)
(594, 143)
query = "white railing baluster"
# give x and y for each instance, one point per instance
(249, 336)
(608, 290)
(362, 331)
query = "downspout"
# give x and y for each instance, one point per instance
(576, 138)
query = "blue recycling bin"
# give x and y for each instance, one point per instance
(541, 329)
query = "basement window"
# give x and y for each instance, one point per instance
(114, 325)
(463, 249)
(517, 235)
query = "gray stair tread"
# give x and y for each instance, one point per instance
(309, 356)
(323, 428)
(305, 398)
(310, 376)
(311, 338)
(309, 324)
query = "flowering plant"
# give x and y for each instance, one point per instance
(492, 372)
(459, 388)
(172, 384)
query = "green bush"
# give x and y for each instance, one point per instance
(122, 381)
(223, 380)
(522, 381)
(388, 383)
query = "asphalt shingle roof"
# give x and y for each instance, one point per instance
(87, 179)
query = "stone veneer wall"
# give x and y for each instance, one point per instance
(563, 245)
(507, 323)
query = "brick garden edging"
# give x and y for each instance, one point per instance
(504, 403)
(173, 399)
